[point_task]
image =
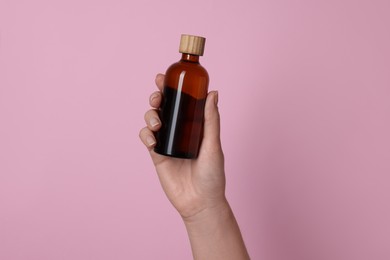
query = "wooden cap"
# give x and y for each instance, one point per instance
(192, 44)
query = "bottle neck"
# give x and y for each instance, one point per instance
(190, 58)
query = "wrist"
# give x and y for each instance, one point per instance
(215, 211)
(214, 234)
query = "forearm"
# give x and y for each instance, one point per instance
(214, 234)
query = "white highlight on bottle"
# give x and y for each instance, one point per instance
(175, 112)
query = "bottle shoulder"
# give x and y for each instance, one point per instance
(194, 78)
(189, 67)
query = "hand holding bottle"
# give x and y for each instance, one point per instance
(191, 185)
(196, 187)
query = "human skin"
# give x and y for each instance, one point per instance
(196, 187)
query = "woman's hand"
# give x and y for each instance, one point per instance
(196, 185)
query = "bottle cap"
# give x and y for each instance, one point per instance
(192, 44)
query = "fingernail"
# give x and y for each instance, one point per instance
(159, 75)
(154, 122)
(216, 98)
(150, 140)
(153, 97)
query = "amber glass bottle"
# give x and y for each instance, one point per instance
(184, 96)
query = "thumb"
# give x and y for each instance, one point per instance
(211, 131)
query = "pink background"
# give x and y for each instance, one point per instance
(305, 105)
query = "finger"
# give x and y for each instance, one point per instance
(152, 120)
(160, 81)
(211, 133)
(147, 137)
(155, 99)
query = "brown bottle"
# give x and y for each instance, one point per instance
(184, 97)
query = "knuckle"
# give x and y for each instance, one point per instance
(147, 114)
(140, 133)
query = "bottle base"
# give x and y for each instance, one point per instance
(177, 154)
